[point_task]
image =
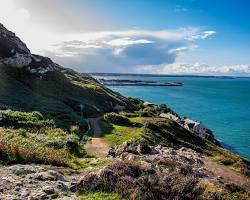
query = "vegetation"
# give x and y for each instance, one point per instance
(57, 95)
(117, 119)
(133, 181)
(100, 196)
(117, 134)
(169, 133)
(24, 119)
(228, 192)
(137, 181)
(153, 111)
(230, 159)
(28, 137)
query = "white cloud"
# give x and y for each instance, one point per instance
(55, 30)
(183, 49)
(122, 51)
(204, 35)
(197, 68)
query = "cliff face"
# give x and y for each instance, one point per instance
(10, 44)
(15, 53)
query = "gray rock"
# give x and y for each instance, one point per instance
(62, 186)
(48, 190)
(10, 44)
(48, 176)
(21, 170)
(39, 196)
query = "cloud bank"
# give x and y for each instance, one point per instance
(197, 68)
(124, 51)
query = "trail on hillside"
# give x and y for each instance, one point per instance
(97, 146)
(227, 174)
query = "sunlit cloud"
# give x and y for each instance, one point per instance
(204, 35)
(197, 68)
(88, 47)
(122, 50)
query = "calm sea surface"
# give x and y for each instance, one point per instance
(222, 104)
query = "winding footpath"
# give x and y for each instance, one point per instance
(97, 146)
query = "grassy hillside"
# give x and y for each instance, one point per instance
(28, 137)
(57, 94)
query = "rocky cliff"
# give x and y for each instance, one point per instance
(15, 53)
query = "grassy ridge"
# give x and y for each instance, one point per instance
(57, 94)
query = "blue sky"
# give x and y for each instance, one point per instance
(137, 36)
(229, 18)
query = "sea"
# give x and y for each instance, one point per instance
(220, 103)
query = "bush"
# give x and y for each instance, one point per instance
(45, 146)
(117, 119)
(132, 181)
(227, 162)
(14, 152)
(18, 119)
(126, 169)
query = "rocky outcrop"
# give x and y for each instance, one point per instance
(10, 44)
(150, 155)
(22, 182)
(14, 53)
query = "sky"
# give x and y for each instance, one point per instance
(136, 36)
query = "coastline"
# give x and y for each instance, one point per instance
(201, 99)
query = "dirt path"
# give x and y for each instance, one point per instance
(227, 174)
(97, 146)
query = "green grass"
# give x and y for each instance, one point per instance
(25, 137)
(169, 133)
(136, 119)
(117, 134)
(24, 119)
(57, 95)
(84, 163)
(100, 196)
(223, 156)
(19, 149)
(211, 190)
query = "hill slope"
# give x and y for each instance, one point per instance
(31, 82)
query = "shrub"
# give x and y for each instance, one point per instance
(227, 162)
(90, 182)
(117, 119)
(134, 182)
(12, 152)
(126, 169)
(42, 146)
(231, 187)
(24, 119)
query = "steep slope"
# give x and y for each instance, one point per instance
(31, 82)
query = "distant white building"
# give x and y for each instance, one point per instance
(194, 126)
(169, 116)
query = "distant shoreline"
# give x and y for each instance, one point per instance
(170, 75)
(119, 82)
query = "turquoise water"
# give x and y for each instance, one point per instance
(222, 104)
